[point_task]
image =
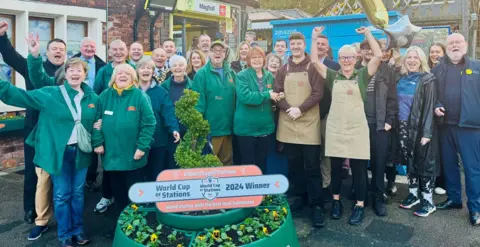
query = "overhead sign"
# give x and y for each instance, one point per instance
(206, 7)
(208, 188)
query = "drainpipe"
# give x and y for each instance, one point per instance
(152, 29)
(106, 45)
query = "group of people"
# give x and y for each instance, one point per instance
(325, 116)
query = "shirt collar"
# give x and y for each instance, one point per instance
(91, 60)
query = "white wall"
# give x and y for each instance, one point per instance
(22, 10)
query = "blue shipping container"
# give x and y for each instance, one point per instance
(340, 30)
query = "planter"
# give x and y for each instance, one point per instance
(13, 124)
(200, 222)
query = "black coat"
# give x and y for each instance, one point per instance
(421, 123)
(236, 66)
(19, 63)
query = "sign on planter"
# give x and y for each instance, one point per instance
(208, 188)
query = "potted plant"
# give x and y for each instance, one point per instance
(270, 224)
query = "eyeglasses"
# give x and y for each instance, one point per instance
(218, 51)
(254, 58)
(347, 58)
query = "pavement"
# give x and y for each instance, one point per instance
(399, 229)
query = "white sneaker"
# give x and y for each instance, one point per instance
(440, 191)
(103, 205)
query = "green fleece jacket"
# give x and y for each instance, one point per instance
(128, 124)
(55, 125)
(217, 98)
(253, 114)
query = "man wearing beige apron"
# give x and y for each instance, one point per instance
(347, 133)
(299, 126)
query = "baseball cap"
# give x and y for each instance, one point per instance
(220, 43)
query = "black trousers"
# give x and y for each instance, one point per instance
(120, 182)
(304, 171)
(92, 169)
(106, 185)
(157, 162)
(30, 180)
(379, 146)
(359, 169)
(254, 150)
(237, 152)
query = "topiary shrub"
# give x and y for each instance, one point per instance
(189, 151)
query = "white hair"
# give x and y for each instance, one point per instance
(347, 48)
(177, 59)
(119, 42)
(86, 39)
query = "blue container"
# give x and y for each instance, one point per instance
(340, 30)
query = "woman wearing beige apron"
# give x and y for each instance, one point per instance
(347, 134)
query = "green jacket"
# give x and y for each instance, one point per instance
(217, 98)
(168, 83)
(55, 125)
(37, 74)
(253, 115)
(128, 124)
(103, 77)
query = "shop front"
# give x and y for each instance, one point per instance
(195, 17)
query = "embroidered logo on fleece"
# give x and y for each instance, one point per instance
(91, 105)
(131, 108)
(269, 86)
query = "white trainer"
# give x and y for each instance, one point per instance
(103, 205)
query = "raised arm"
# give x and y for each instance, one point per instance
(319, 66)
(36, 72)
(14, 96)
(10, 56)
(377, 51)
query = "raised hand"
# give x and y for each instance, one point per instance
(362, 30)
(33, 42)
(317, 31)
(3, 27)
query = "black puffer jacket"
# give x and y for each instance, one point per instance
(425, 160)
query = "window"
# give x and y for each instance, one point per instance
(76, 31)
(6, 73)
(44, 28)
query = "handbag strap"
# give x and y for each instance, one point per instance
(69, 104)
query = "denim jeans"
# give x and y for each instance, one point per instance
(68, 198)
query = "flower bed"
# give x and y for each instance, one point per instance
(11, 123)
(268, 225)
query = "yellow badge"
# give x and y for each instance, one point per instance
(468, 71)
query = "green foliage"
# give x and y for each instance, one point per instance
(189, 151)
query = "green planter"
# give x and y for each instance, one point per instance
(198, 223)
(13, 124)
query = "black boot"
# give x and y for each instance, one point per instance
(357, 215)
(317, 217)
(379, 207)
(337, 210)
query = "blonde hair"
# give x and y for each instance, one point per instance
(202, 58)
(347, 48)
(127, 68)
(237, 55)
(423, 60)
(145, 62)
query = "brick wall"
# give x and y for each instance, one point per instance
(121, 14)
(11, 150)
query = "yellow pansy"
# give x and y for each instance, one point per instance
(216, 234)
(134, 207)
(275, 214)
(179, 245)
(153, 237)
(266, 210)
(129, 227)
(284, 210)
(242, 227)
(201, 238)
(265, 230)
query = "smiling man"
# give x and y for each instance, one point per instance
(299, 126)
(117, 51)
(216, 84)
(458, 93)
(88, 48)
(169, 47)
(204, 43)
(162, 72)
(135, 53)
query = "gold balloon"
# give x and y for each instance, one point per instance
(376, 12)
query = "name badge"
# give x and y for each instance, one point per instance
(108, 113)
(218, 97)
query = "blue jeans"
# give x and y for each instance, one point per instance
(68, 197)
